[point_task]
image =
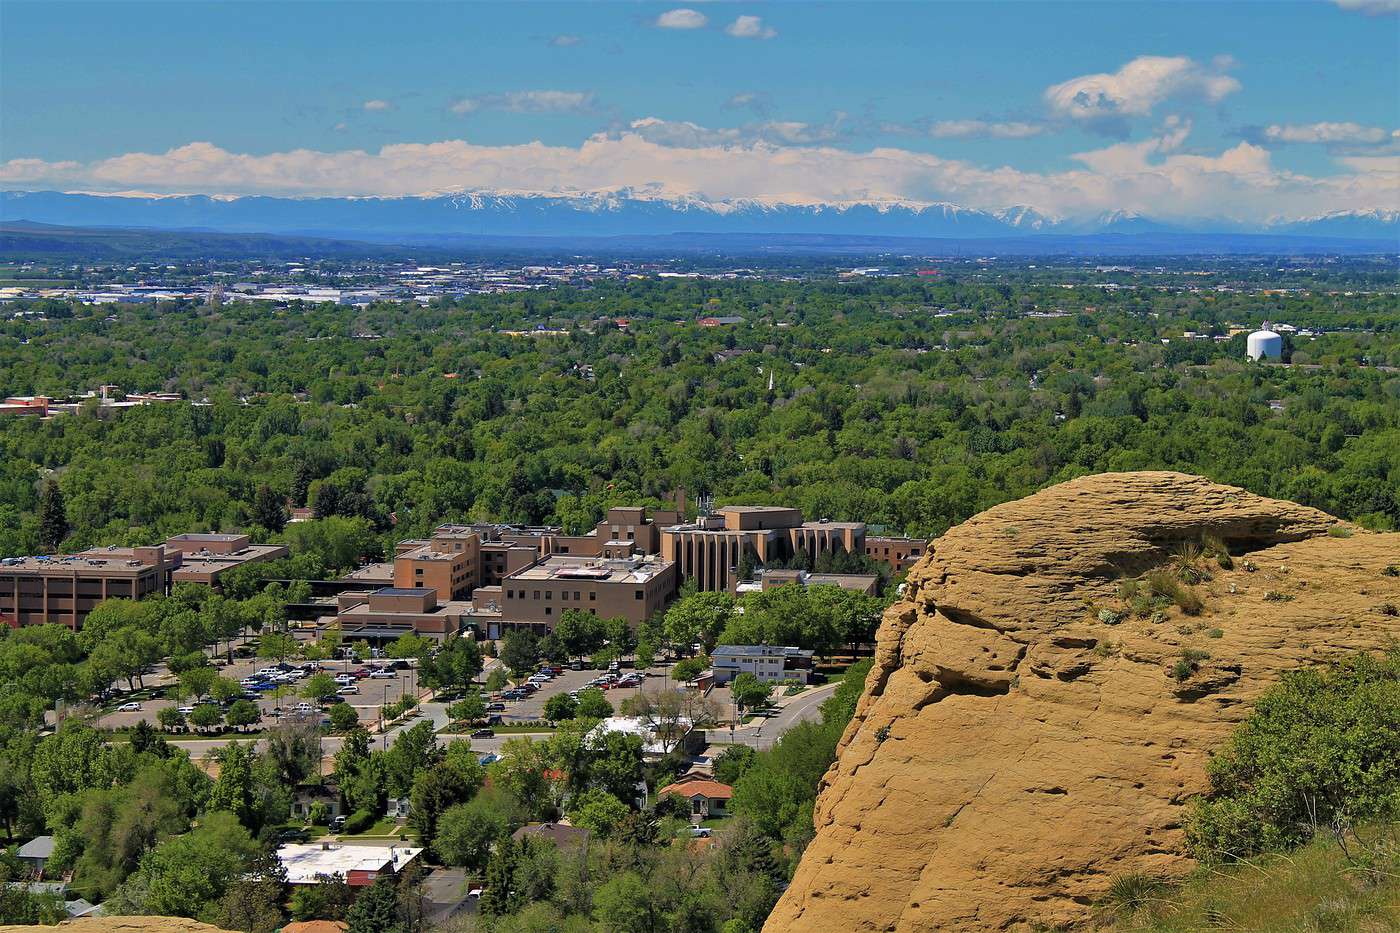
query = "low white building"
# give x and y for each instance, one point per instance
(358, 865)
(769, 663)
(686, 741)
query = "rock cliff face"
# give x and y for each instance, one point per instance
(1017, 745)
(122, 925)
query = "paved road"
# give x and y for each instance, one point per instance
(765, 732)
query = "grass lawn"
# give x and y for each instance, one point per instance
(714, 822)
(387, 826)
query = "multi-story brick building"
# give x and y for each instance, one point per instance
(632, 587)
(206, 557)
(710, 549)
(449, 563)
(63, 590)
(899, 553)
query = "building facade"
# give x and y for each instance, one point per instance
(64, 590)
(769, 663)
(206, 557)
(633, 588)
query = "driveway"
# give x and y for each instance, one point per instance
(764, 733)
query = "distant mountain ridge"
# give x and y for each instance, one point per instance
(613, 214)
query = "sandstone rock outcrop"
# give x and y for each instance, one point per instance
(1022, 739)
(122, 925)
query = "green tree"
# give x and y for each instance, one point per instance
(170, 718)
(521, 652)
(699, 618)
(233, 791)
(624, 904)
(579, 632)
(598, 811)
(560, 706)
(243, 713)
(455, 665)
(470, 708)
(438, 788)
(466, 831)
(319, 687)
(269, 509)
(276, 645)
(187, 874)
(53, 516)
(749, 692)
(343, 717)
(206, 716)
(376, 910)
(593, 704)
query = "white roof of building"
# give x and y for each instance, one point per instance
(304, 862)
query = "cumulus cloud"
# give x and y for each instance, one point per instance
(527, 102)
(1158, 178)
(377, 105)
(1331, 133)
(952, 129)
(682, 18)
(565, 41)
(1138, 87)
(750, 27)
(1370, 7)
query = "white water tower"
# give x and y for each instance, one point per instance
(1264, 344)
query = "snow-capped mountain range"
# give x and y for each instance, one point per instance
(625, 213)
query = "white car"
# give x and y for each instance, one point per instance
(381, 673)
(305, 708)
(348, 689)
(344, 679)
(185, 710)
(129, 708)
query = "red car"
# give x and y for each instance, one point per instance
(360, 672)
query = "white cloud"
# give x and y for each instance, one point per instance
(681, 18)
(527, 102)
(685, 134)
(1139, 86)
(1154, 177)
(565, 41)
(377, 105)
(750, 27)
(948, 129)
(1326, 133)
(1370, 7)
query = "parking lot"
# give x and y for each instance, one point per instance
(373, 692)
(532, 707)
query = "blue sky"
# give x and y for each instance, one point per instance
(1076, 106)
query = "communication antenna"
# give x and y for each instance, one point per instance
(704, 504)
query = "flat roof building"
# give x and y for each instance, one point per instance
(358, 865)
(633, 588)
(383, 615)
(710, 549)
(448, 563)
(64, 589)
(769, 663)
(205, 557)
(866, 583)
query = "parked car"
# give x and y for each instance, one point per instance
(348, 689)
(337, 824)
(400, 665)
(381, 672)
(304, 708)
(495, 707)
(475, 890)
(185, 710)
(484, 734)
(263, 685)
(575, 665)
(360, 672)
(132, 707)
(344, 679)
(700, 832)
(293, 835)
